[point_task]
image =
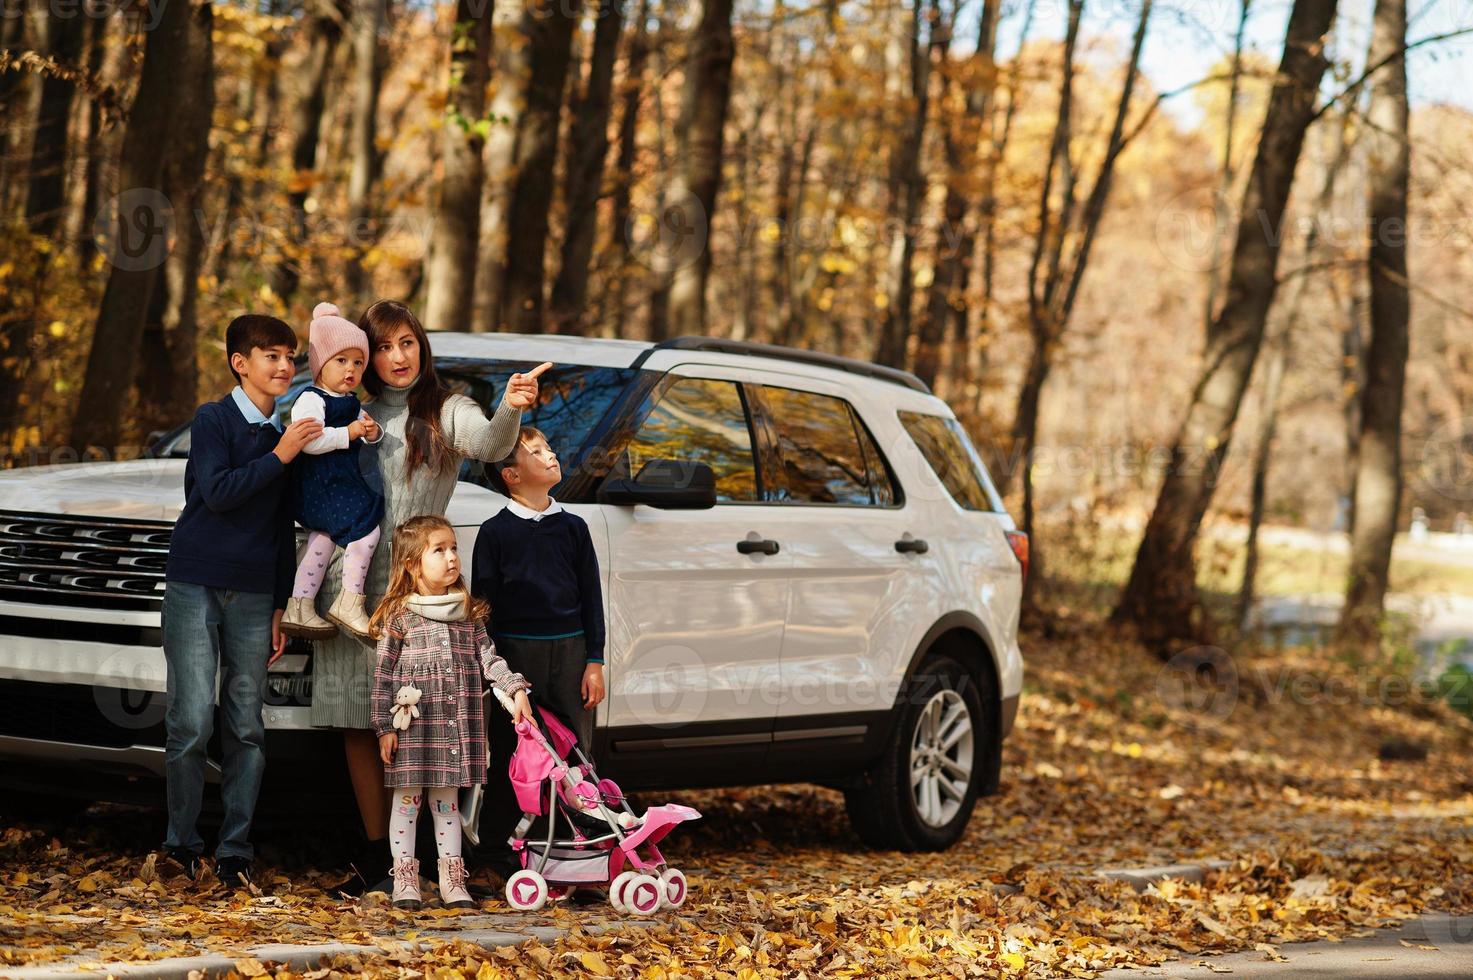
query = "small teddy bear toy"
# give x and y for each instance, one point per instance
(406, 706)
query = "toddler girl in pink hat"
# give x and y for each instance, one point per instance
(337, 496)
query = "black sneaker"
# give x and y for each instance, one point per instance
(177, 862)
(233, 872)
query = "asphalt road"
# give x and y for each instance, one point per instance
(1434, 947)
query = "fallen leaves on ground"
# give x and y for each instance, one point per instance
(1321, 838)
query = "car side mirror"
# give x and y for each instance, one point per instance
(669, 484)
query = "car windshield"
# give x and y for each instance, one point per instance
(572, 398)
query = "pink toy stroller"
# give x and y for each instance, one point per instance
(591, 830)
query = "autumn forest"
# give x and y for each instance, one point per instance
(1237, 299)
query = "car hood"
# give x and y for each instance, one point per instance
(144, 489)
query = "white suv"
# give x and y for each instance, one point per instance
(808, 576)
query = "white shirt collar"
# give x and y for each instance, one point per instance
(252, 414)
(528, 514)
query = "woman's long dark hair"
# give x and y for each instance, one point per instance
(423, 436)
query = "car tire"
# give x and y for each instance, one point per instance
(920, 794)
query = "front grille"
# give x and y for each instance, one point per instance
(99, 562)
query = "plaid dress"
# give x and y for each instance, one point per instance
(446, 744)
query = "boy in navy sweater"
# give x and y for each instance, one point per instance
(229, 575)
(534, 563)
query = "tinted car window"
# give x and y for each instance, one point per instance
(945, 446)
(819, 450)
(702, 421)
(571, 400)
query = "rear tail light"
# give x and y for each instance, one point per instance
(1019, 543)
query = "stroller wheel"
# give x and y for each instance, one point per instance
(643, 895)
(616, 889)
(675, 889)
(526, 891)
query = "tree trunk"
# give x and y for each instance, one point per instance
(907, 189)
(978, 328)
(1220, 211)
(588, 149)
(800, 275)
(1262, 452)
(632, 86)
(46, 192)
(1099, 194)
(451, 266)
(1352, 384)
(657, 294)
(368, 70)
(23, 105)
(1160, 598)
(92, 177)
(779, 55)
(688, 207)
(1040, 290)
(12, 38)
(511, 73)
(263, 86)
(1055, 301)
(168, 379)
(325, 29)
(218, 252)
(549, 25)
(1280, 347)
(1378, 479)
(794, 307)
(44, 206)
(113, 358)
(946, 305)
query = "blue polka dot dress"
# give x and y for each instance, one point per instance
(333, 490)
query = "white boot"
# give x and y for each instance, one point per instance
(406, 884)
(347, 612)
(452, 884)
(301, 619)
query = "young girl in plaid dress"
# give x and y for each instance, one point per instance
(433, 650)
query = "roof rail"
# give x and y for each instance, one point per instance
(817, 358)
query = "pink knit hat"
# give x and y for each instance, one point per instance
(329, 335)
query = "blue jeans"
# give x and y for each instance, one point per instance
(205, 629)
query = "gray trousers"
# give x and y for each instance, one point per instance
(554, 668)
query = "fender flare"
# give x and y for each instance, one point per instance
(989, 680)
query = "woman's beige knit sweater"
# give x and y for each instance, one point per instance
(342, 668)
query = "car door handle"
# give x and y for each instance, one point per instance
(912, 545)
(752, 546)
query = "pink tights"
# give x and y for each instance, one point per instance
(319, 552)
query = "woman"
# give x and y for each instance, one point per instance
(427, 431)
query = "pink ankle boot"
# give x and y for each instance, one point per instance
(406, 884)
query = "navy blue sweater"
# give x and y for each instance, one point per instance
(541, 578)
(236, 530)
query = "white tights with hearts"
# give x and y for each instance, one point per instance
(444, 803)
